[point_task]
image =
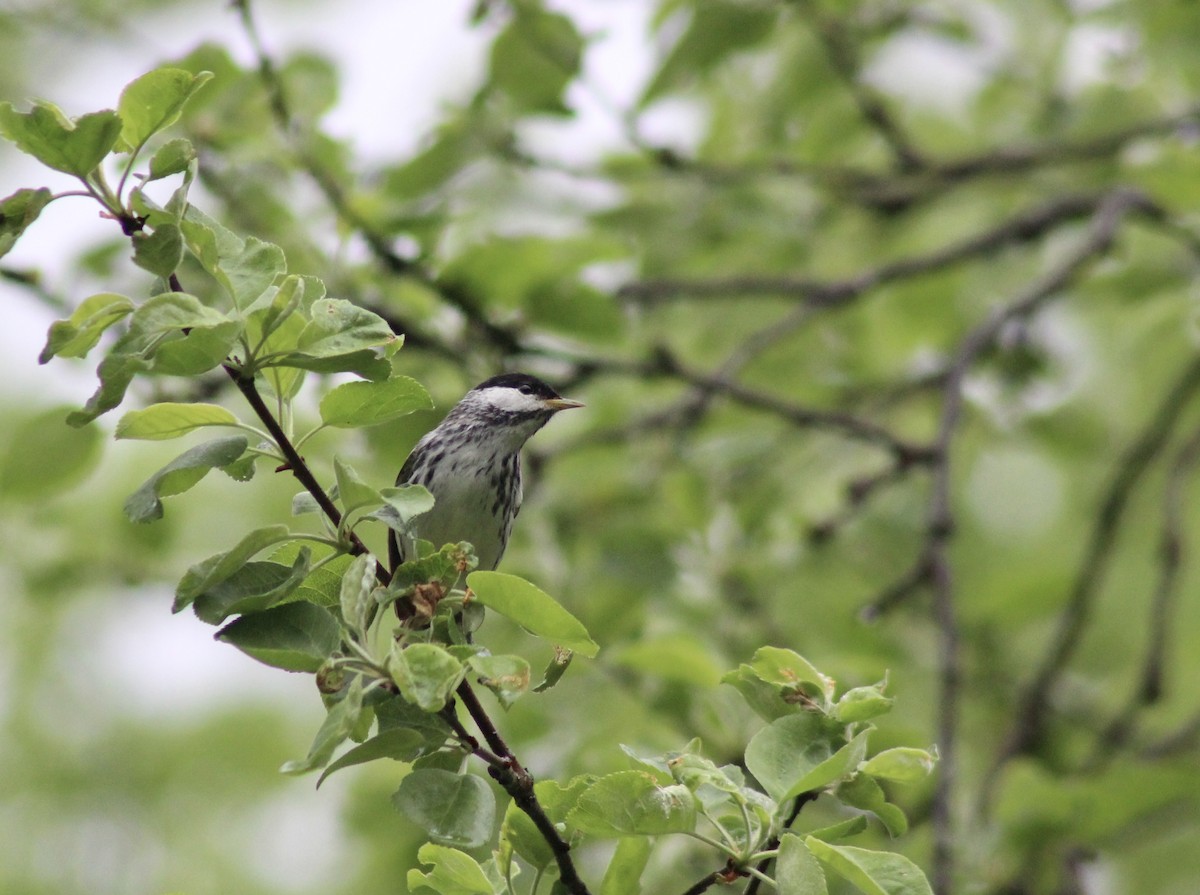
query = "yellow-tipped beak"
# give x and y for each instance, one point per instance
(562, 403)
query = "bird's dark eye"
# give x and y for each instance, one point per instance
(525, 389)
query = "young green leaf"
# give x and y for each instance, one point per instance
(797, 872)
(370, 403)
(294, 636)
(208, 573)
(871, 872)
(79, 333)
(454, 873)
(159, 422)
(903, 764)
(145, 504)
(453, 809)
(785, 667)
(798, 753)
(401, 505)
(252, 588)
(555, 669)
(338, 327)
(397, 712)
(366, 363)
(532, 609)
(632, 803)
(153, 102)
(355, 595)
(73, 146)
(173, 157)
(629, 860)
(116, 372)
(353, 492)
(863, 791)
(159, 251)
(17, 212)
(343, 717)
(862, 704)
(506, 676)
(851, 826)
(398, 744)
(425, 674)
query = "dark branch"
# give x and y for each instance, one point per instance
(1023, 227)
(1034, 700)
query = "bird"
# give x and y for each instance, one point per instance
(471, 464)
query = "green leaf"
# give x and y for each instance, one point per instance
(17, 212)
(454, 873)
(116, 372)
(862, 791)
(797, 871)
(872, 872)
(370, 403)
(453, 809)
(159, 422)
(425, 674)
(401, 505)
(506, 676)
(44, 456)
(182, 473)
(338, 327)
(159, 251)
(341, 721)
(624, 872)
(173, 157)
(717, 28)
(73, 146)
(785, 667)
(398, 744)
(632, 803)
(153, 102)
(532, 609)
(535, 58)
(208, 573)
(78, 334)
(555, 669)
(366, 363)
(354, 596)
(294, 636)
(397, 712)
(903, 764)
(352, 491)
(851, 826)
(252, 588)
(797, 753)
(862, 704)
(245, 268)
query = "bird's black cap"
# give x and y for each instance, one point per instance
(522, 382)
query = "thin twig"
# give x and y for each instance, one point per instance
(1023, 227)
(1149, 687)
(1033, 702)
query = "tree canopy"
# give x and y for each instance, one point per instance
(883, 317)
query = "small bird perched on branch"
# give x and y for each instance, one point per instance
(471, 464)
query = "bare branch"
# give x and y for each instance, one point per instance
(1023, 227)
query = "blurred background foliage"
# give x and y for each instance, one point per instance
(880, 310)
